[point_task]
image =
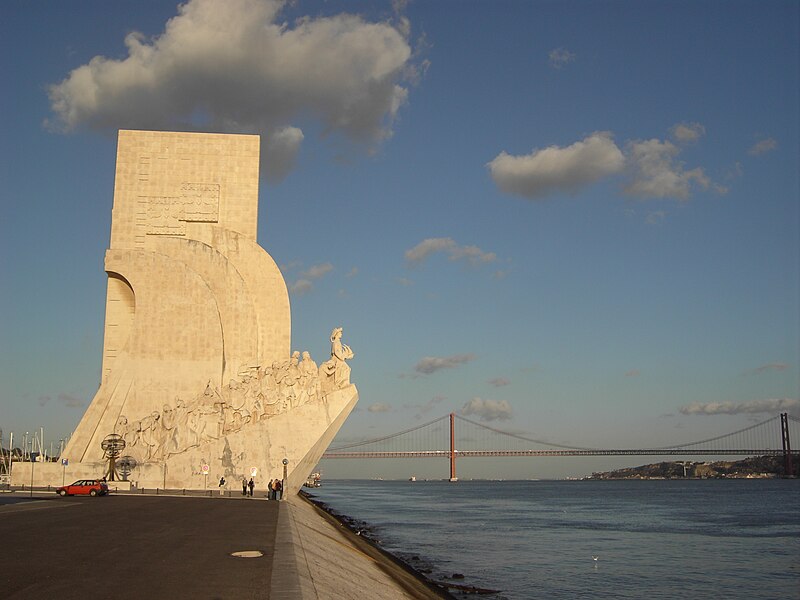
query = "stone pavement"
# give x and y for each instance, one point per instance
(122, 546)
(138, 546)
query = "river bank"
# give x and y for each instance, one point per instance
(664, 539)
(363, 536)
(320, 556)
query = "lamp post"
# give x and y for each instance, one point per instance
(283, 483)
(33, 464)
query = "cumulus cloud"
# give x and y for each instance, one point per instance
(305, 283)
(499, 381)
(431, 364)
(280, 153)
(317, 271)
(488, 410)
(300, 287)
(772, 405)
(560, 57)
(379, 407)
(472, 254)
(555, 169)
(655, 172)
(234, 66)
(687, 132)
(763, 146)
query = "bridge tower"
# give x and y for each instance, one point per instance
(453, 447)
(788, 471)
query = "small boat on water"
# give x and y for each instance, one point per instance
(412, 478)
(314, 480)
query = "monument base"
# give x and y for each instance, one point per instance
(300, 436)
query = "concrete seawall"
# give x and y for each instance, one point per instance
(317, 557)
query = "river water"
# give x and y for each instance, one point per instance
(732, 539)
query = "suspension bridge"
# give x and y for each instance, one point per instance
(453, 436)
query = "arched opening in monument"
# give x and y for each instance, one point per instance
(120, 313)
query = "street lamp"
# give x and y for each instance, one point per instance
(283, 483)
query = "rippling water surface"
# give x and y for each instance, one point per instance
(736, 539)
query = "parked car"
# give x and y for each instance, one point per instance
(92, 487)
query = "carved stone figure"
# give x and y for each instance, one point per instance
(335, 373)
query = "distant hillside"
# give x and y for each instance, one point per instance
(755, 467)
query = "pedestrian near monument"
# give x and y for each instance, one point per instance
(278, 489)
(244, 486)
(251, 484)
(269, 490)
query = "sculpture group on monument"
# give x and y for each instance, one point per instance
(258, 394)
(198, 375)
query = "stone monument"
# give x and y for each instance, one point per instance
(198, 375)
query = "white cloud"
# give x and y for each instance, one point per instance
(473, 254)
(235, 67)
(763, 146)
(379, 407)
(488, 410)
(555, 169)
(317, 271)
(655, 172)
(300, 287)
(280, 153)
(772, 405)
(431, 364)
(499, 381)
(687, 132)
(560, 57)
(305, 283)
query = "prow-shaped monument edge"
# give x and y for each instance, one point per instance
(198, 376)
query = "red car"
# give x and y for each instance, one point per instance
(92, 487)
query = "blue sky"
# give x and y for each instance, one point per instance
(573, 220)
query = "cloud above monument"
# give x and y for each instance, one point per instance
(305, 282)
(553, 169)
(488, 410)
(472, 254)
(431, 364)
(236, 67)
(765, 406)
(651, 167)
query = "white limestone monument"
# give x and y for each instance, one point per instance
(198, 374)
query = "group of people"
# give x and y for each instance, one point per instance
(274, 489)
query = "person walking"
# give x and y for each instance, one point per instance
(278, 489)
(244, 486)
(251, 485)
(269, 489)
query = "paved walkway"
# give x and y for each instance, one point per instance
(135, 547)
(151, 547)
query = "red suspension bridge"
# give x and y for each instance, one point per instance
(453, 436)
